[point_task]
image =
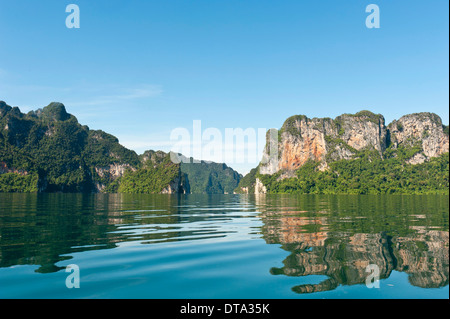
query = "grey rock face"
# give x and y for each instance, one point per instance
(420, 128)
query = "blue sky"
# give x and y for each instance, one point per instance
(139, 69)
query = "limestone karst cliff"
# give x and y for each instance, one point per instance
(423, 129)
(417, 138)
(326, 140)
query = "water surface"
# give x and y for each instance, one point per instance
(223, 246)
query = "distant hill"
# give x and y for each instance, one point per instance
(209, 177)
(187, 176)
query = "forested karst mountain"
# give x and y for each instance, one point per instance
(49, 151)
(354, 153)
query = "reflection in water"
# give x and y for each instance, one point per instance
(43, 229)
(341, 245)
(39, 229)
(335, 236)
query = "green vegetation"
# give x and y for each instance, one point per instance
(346, 170)
(52, 145)
(103, 149)
(334, 143)
(48, 150)
(372, 117)
(375, 118)
(290, 125)
(150, 179)
(248, 181)
(13, 182)
(403, 153)
(57, 154)
(192, 177)
(423, 116)
(54, 112)
(367, 174)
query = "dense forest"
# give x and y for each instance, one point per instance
(49, 151)
(367, 174)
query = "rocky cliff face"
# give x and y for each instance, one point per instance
(5, 169)
(325, 140)
(420, 129)
(110, 173)
(153, 158)
(259, 187)
(175, 187)
(322, 139)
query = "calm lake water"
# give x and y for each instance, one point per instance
(223, 246)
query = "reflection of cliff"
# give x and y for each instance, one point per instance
(343, 261)
(297, 229)
(318, 248)
(425, 258)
